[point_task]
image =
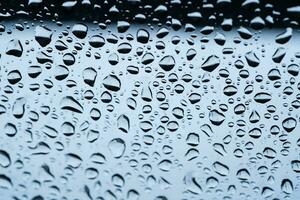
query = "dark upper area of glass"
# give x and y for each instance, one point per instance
(176, 13)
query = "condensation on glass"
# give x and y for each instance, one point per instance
(160, 100)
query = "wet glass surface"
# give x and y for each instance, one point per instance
(139, 100)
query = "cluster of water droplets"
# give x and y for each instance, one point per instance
(128, 112)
